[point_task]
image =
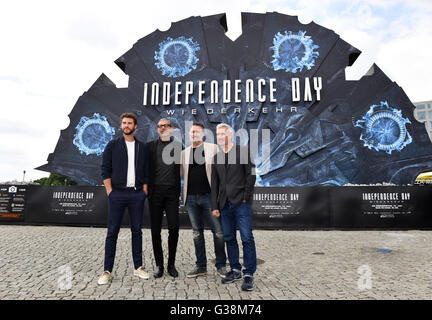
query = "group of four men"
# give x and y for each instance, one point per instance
(218, 187)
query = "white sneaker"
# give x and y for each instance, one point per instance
(105, 278)
(140, 272)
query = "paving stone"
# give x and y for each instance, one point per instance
(36, 261)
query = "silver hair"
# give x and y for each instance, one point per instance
(224, 125)
(165, 119)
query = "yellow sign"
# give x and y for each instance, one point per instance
(425, 177)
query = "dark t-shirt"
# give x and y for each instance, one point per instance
(226, 160)
(197, 178)
(165, 174)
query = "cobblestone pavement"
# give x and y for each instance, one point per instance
(65, 262)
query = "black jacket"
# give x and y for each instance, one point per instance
(115, 163)
(234, 182)
(151, 147)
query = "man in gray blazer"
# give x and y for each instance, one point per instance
(196, 165)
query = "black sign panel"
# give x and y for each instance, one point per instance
(12, 202)
(79, 205)
(363, 207)
(289, 207)
(71, 205)
(381, 207)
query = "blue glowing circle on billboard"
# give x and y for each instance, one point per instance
(293, 52)
(384, 128)
(93, 134)
(177, 57)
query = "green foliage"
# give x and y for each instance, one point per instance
(56, 179)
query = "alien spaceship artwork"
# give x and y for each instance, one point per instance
(354, 132)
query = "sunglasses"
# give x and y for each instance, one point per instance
(164, 126)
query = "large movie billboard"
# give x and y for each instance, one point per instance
(280, 77)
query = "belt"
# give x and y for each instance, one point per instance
(127, 189)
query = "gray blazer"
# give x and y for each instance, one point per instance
(210, 150)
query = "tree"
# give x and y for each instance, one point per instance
(56, 179)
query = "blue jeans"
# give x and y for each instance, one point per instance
(199, 208)
(118, 201)
(241, 216)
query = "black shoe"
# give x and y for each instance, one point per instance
(172, 271)
(248, 283)
(232, 276)
(159, 272)
(197, 271)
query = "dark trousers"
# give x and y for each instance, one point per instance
(118, 201)
(164, 198)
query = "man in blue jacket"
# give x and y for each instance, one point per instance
(125, 173)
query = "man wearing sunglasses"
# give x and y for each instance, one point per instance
(164, 193)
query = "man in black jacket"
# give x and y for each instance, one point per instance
(164, 193)
(125, 171)
(232, 187)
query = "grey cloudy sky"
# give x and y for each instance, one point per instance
(53, 51)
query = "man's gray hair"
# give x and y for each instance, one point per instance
(165, 119)
(224, 125)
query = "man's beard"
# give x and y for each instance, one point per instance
(165, 134)
(128, 133)
(197, 140)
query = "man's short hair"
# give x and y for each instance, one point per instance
(129, 115)
(198, 124)
(224, 125)
(165, 119)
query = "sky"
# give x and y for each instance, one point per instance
(53, 51)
